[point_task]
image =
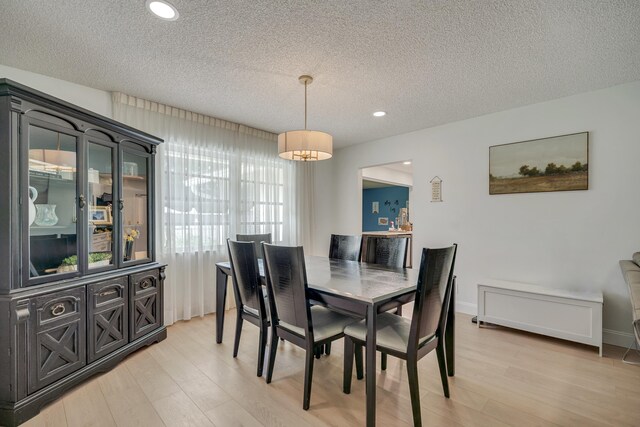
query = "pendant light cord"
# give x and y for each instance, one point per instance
(305, 105)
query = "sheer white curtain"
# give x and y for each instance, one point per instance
(214, 179)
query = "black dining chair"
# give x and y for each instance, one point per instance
(292, 317)
(345, 247)
(250, 299)
(387, 251)
(413, 339)
(257, 239)
(348, 248)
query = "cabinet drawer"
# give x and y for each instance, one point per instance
(109, 292)
(108, 314)
(57, 342)
(145, 282)
(145, 309)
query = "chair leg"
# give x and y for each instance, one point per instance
(442, 364)
(383, 361)
(327, 348)
(359, 364)
(348, 364)
(273, 347)
(317, 352)
(399, 310)
(236, 342)
(261, 349)
(308, 376)
(414, 391)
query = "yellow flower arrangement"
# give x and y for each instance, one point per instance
(131, 235)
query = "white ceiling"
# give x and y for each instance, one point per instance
(424, 62)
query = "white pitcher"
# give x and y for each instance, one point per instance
(33, 195)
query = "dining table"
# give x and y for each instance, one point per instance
(358, 288)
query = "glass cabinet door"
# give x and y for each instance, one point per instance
(52, 202)
(135, 207)
(100, 237)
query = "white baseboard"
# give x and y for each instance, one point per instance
(466, 308)
(609, 336)
(621, 339)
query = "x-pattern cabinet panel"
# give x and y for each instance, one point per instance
(108, 314)
(57, 345)
(145, 307)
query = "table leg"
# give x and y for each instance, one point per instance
(372, 314)
(221, 298)
(450, 333)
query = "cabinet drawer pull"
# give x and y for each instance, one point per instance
(106, 293)
(58, 309)
(145, 284)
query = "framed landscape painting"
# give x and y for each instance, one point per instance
(559, 163)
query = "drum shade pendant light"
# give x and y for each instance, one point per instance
(305, 145)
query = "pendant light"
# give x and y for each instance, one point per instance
(305, 145)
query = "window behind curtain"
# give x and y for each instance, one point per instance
(211, 194)
(262, 198)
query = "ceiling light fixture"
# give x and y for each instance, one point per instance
(305, 145)
(163, 10)
(379, 114)
(408, 162)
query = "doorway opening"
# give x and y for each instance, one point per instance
(386, 202)
(386, 195)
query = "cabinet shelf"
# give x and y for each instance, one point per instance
(50, 176)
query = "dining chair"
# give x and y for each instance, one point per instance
(257, 239)
(345, 247)
(292, 317)
(387, 251)
(413, 339)
(250, 299)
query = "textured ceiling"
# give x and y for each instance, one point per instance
(424, 62)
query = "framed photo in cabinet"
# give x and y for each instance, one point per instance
(100, 215)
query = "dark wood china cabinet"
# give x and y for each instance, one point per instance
(80, 287)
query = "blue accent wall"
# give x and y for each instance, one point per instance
(381, 195)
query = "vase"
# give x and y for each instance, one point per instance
(128, 250)
(33, 195)
(46, 215)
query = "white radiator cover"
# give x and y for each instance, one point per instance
(571, 315)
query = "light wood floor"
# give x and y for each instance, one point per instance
(503, 377)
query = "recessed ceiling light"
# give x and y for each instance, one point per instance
(406, 163)
(379, 114)
(163, 10)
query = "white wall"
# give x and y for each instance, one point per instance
(94, 100)
(569, 240)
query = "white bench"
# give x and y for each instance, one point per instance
(571, 315)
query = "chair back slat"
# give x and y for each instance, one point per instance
(433, 293)
(257, 239)
(287, 285)
(387, 251)
(246, 275)
(345, 247)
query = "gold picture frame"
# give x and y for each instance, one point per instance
(100, 215)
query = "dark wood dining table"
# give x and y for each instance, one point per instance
(359, 288)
